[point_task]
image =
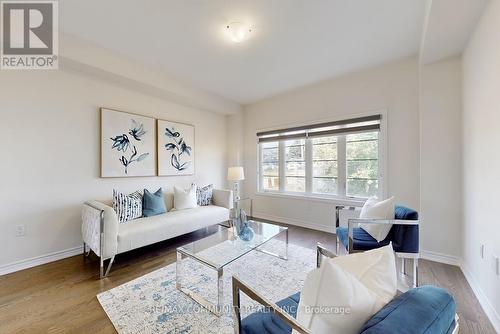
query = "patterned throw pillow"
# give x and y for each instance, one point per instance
(204, 195)
(127, 207)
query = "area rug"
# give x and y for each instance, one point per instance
(152, 303)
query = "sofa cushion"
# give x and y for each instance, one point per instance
(148, 230)
(268, 322)
(427, 309)
(153, 204)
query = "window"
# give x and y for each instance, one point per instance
(295, 165)
(324, 165)
(362, 164)
(339, 158)
(270, 166)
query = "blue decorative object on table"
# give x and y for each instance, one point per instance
(242, 226)
(246, 233)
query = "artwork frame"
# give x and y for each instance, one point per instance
(128, 144)
(175, 148)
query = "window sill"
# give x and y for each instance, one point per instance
(315, 198)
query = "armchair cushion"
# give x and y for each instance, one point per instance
(427, 309)
(404, 213)
(361, 239)
(359, 283)
(405, 238)
(269, 323)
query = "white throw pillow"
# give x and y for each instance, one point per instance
(376, 269)
(359, 284)
(335, 302)
(374, 209)
(185, 199)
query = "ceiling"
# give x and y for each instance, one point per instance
(446, 32)
(294, 42)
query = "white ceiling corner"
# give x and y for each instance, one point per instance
(448, 26)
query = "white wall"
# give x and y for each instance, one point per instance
(50, 154)
(392, 87)
(481, 160)
(441, 158)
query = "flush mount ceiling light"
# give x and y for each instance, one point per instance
(238, 31)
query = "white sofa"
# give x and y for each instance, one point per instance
(101, 230)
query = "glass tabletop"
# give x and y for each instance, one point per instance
(225, 246)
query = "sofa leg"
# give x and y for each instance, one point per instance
(86, 251)
(103, 274)
(109, 266)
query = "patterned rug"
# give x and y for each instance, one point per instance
(152, 303)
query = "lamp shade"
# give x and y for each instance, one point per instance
(235, 174)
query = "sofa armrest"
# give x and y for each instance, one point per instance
(223, 198)
(238, 286)
(100, 228)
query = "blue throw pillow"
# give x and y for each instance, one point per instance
(153, 204)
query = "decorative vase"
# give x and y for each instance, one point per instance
(246, 233)
(242, 227)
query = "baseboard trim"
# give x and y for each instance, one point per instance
(39, 260)
(488, 308)
(292, 221)
(440, 257)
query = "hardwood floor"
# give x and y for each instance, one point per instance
(60, 297)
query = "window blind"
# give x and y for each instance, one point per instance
(346, 126)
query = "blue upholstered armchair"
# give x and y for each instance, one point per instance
(403, 235)
(426, 309)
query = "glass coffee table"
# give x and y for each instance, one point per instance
(222, 248)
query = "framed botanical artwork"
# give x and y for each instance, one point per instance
(175, 148)
(128, 144)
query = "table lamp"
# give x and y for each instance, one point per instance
(235, 174)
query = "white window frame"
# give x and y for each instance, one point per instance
(341, 165)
